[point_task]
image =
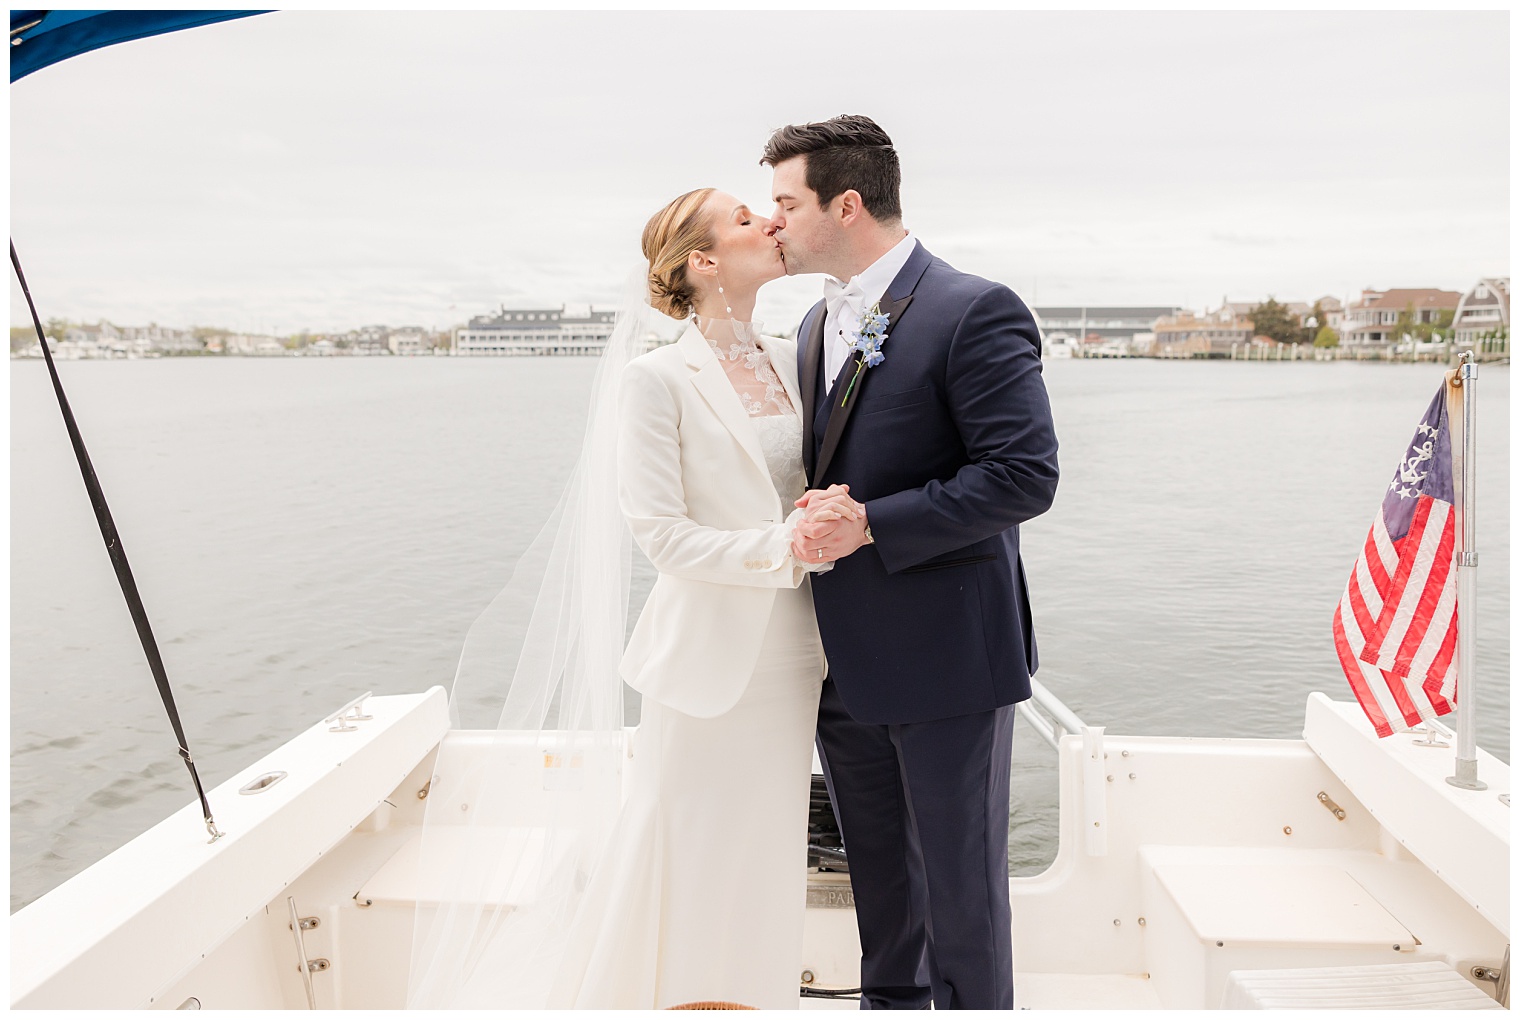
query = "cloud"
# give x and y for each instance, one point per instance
(328, 170)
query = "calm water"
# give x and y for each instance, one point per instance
(305, 530)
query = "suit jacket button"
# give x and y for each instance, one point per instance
(767, 564)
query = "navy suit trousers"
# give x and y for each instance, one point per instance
(923, 808)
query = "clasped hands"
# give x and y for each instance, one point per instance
(833, 525)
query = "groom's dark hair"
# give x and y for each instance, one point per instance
(844, 153)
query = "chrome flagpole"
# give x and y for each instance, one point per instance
(1466, 775)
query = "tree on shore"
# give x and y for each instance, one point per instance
(1409, 326)
(1275, 320)
(1311, 326)
(24, 336)
(1327, 337)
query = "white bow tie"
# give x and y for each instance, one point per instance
(839, 296)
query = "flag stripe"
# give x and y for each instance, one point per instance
(1373, 558)
(1447, 656)
(1388, 556)
(1356, 671)
(1416, 561)
(1433, 587)
(1405, 705)
(1366, 604)
(1441, 687)
(1423, 656)
(1407, 549)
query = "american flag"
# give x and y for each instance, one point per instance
(1396, 625)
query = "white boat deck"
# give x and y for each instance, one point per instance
(1191, 873)
(1085, 991)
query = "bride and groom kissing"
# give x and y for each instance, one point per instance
(835, 526)
(908, 432)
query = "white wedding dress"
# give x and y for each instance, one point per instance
(702, 889)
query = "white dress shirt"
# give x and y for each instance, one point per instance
(844, 309)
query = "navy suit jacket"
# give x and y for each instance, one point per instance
(950, 445)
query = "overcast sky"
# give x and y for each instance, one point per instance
(325, 171)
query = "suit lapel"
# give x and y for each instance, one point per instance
(718, 392)
(811, 355)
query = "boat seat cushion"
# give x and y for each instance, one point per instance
(1428, 984)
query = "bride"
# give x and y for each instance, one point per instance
(726, 653)
(698, 892)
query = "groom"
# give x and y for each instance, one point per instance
(947, 442)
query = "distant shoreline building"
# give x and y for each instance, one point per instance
(1483, 312)
(1334, 312)
(408, 342)
(530, 332)
(1078, 324)
(1372, 320)
(154, 337)
(105, 340)
(252, 346)
(1215, 334)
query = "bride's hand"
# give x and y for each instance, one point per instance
(807, 536)
(811, 495)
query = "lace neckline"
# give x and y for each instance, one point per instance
(730, 339)
(748, 367)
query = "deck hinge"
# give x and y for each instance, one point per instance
(306, 965)
(1331, 806)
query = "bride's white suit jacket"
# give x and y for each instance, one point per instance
(695, 489)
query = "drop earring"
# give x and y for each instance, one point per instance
(726, 305)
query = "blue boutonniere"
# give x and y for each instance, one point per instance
(868, 338)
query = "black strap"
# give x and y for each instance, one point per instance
(118, 555)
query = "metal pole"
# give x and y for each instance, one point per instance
(1466, 775)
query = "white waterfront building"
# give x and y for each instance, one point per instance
(520, 332)
(1099, 331)
(408, 341)
(1482, 316)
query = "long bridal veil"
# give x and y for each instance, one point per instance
(527, 783)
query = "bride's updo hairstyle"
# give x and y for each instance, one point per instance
(670, 236)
